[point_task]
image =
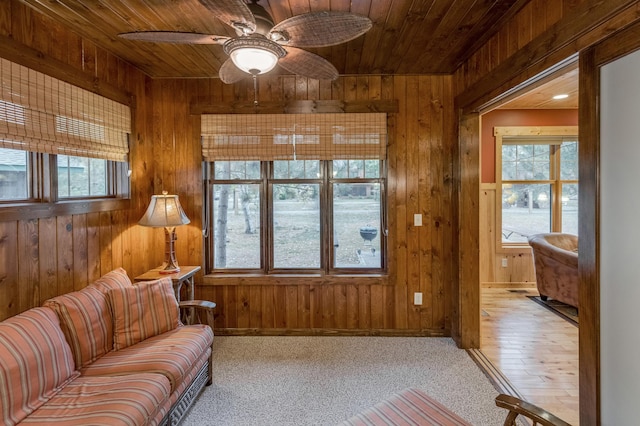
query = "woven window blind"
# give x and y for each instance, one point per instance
(268, 137)
(43, 114)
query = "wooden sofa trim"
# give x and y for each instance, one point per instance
(199, 312)
(518, 407)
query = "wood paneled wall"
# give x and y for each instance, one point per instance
(420, 180)
(48, 256)
(540, 35)
(519, 268)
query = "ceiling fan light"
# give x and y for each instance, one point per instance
(251, 58)
(254, 54)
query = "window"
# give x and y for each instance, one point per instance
(538, 178)
(75, 177)
(59, 141)
(296, 215)
(295, 193)
(15, 175)
(82, 177)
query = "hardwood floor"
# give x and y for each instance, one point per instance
(535, 349)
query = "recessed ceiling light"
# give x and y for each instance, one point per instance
(563, 96)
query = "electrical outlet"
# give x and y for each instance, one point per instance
(504, 262)
(417, 298)
(417, 219)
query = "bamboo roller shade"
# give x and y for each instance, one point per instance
(267, 137)
(42, 114)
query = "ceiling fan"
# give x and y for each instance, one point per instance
(260, 44)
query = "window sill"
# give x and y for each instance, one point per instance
(514, 248)
(26, 211)
(295, 279)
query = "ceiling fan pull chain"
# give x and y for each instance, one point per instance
(255, 90)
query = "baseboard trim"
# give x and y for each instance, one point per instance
(329, 332)
(499, 380)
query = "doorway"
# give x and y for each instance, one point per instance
(533, 349)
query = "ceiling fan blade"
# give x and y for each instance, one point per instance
(308, 64)
(230, 74)
(175, 37)
(235, 13)
(320, 29)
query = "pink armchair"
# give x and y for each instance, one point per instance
(556, 261)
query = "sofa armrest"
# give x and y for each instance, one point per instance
(517, 407)
(197, 312)
(540, 245)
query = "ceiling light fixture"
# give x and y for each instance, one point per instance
(562, 96)
(254, 53)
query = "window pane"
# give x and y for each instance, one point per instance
(14, 174)
(526, 210)
(570, 208)
(97, 177)
(509, 170)
(525, 162)
(237, 170)
(541, 162)
(509, 152)
(81, 177)
(356, 168)
(236, 218)
(296, 226)
(357, 226)
(372, 168)
(343, 169)
(296, 169)
(569, 161)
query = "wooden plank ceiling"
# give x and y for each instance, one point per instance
(541, 97)
(408, 36)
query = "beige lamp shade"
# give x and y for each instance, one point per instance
(165, 211)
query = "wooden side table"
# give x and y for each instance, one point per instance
(183, 276)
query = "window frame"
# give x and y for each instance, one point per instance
(115, 171)
(43, 200)
(512, 136)
(326, 182)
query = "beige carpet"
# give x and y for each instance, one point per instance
(324, 380)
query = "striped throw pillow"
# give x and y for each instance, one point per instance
(143, 310)
(86, 322)
(117, 278)
(35, 363)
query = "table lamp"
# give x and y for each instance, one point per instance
(165, 211)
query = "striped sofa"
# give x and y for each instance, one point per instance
(110, 354)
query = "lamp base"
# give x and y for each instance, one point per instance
(170, 265)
